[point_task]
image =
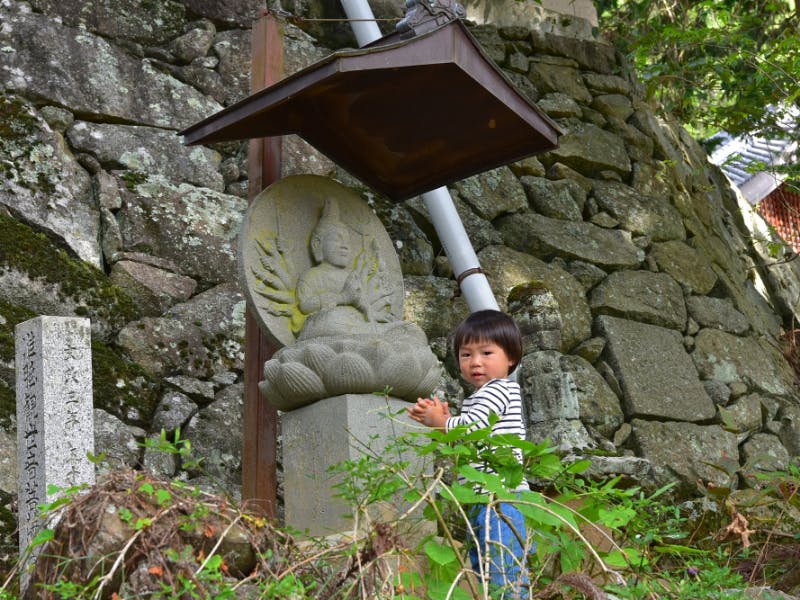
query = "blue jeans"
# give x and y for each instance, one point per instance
(507, 565)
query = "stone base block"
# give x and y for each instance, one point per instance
(326, 433)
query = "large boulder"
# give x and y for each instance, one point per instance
(550, 393)
(43, 184)
(195, 228)
(639, 213)
(118, 87)
(556, 74)
(507, 269)
(717, 313)
(590, 150)
(543, 237)
(218, 311)
(434, 304)
(764, 452)
(163, 347)
(653, 298)
(148, 150)
(751, 303)
(493, 193)
(414, 249)
(685, 265)
(685, 454)
(562, 199)
(753, 361)
(656, 374)
(215, 433)
(154, 289)
(120, 443)
(120, 19)
(226, 12)
(201, 345)
(599, 405)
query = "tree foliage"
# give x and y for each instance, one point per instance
(731, 65)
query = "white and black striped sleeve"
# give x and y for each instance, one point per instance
(492, 398)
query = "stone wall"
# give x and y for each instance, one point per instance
(671, 321)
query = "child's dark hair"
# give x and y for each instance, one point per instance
(493, 326)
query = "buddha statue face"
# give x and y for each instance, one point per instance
(333, 246)
(330, 240)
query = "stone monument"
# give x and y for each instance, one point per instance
(55, 431)
(325, 282)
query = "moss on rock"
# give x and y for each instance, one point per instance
(10, 316)
(122, 387)
(9, 541)
(17, 123)
(25, 250)
(133, 179)
(8, 405)
(20, 136)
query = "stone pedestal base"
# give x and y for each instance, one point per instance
(328, 432)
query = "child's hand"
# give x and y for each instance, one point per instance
(431, 412)
(419, 409)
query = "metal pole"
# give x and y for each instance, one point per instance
(456, 244)
(362, 21)
(474, 285)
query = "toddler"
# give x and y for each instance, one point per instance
(488, 345)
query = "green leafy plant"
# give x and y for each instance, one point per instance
(176, 445)
(557, 520)
(591, 537)
(714, 64)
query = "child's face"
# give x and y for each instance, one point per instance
(482, 361)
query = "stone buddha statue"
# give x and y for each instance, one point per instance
(325, 280)
(334, 294)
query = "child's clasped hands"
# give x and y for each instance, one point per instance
(431, 412)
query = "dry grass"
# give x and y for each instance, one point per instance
(132, 536)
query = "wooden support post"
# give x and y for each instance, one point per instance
(259, 453)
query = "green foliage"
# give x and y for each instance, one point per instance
(706, 576)
(591, 536)
(713, 64)
(133, 178)
(62, 496)
(181, 542)
(290, 586)
(180, 447)
(10, 316)
(45, 535)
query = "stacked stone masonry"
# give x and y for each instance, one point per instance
(670, 319)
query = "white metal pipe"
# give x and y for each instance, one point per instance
(475, 287)
(365, 28)
(456, 244)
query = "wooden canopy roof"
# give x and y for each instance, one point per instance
(404, 115)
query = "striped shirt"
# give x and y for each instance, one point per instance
(497, 396)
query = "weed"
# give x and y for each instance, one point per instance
(586, 538)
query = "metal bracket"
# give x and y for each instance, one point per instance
(425, 15)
